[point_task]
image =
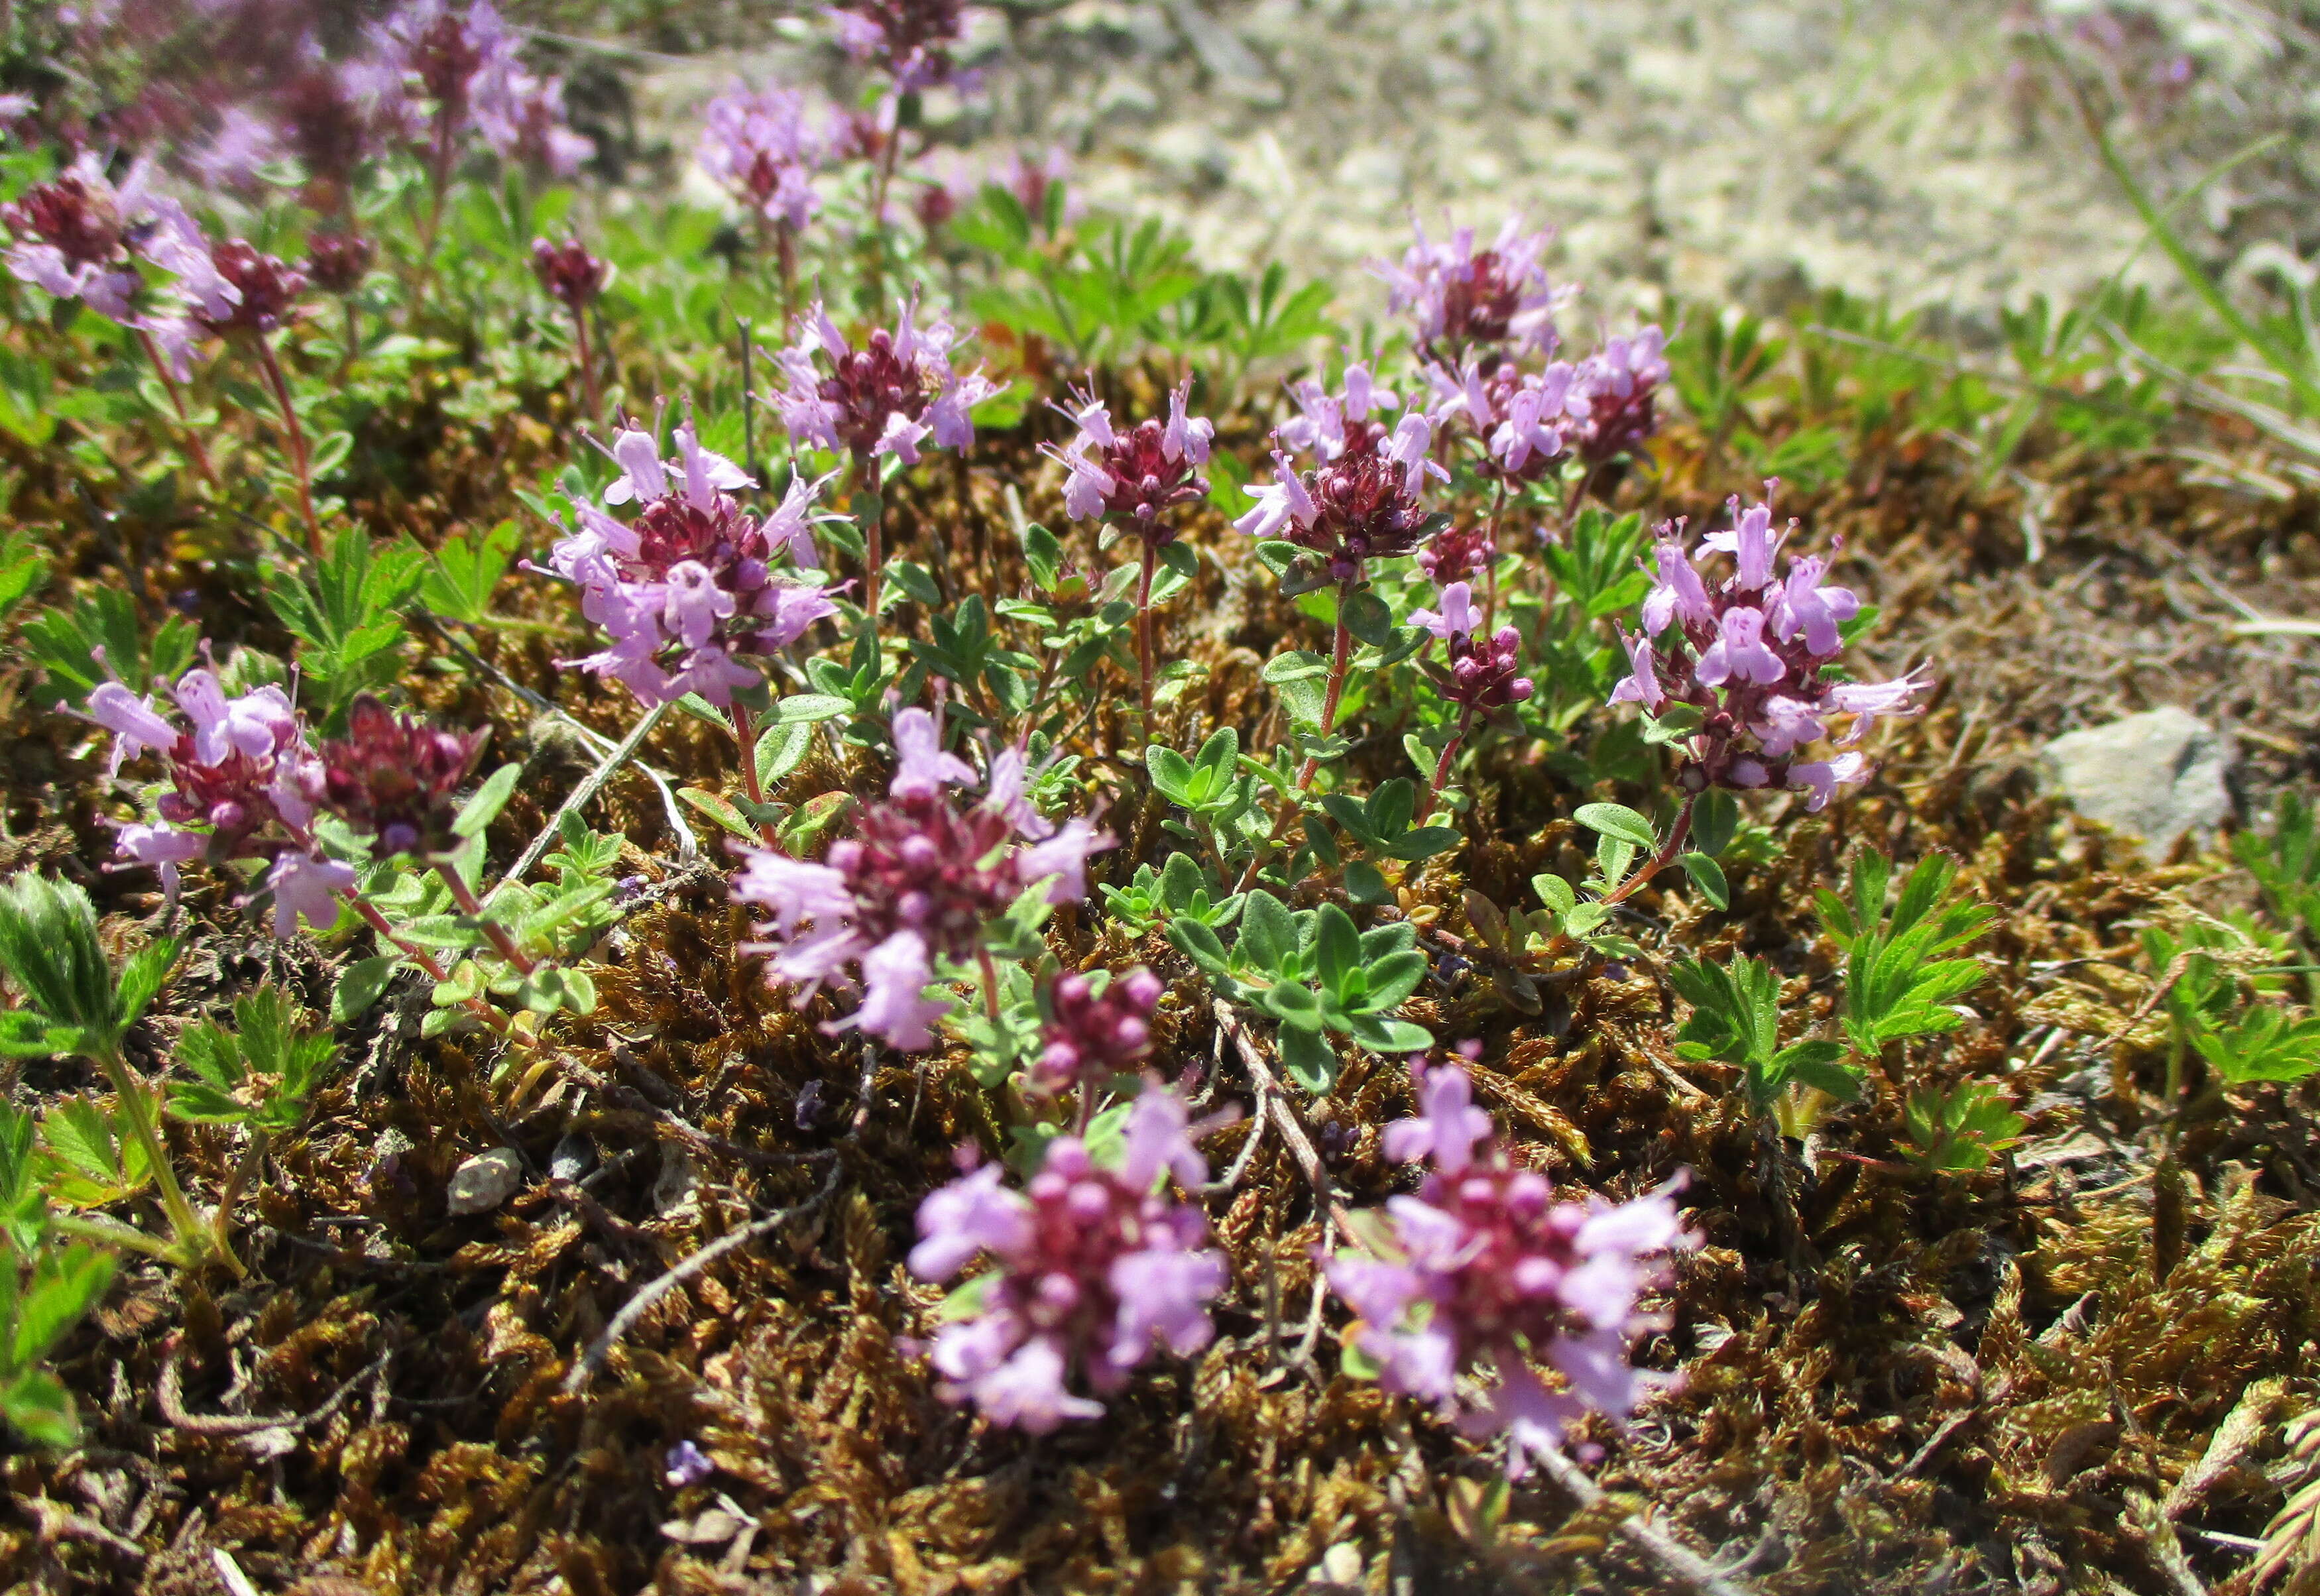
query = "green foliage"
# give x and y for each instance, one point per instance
(1897, 984)
(346, 615)
(74, 1001)
(1594, 563)
(1961, 1129)
(1180, 890)
(45, 1289)
(2263, 1045)
(1735, 1020)
(260, 1073)
(23, 570)
(92, 1157)
(1318, 976)
(459, 578)
(2286, 865)
(75, 645)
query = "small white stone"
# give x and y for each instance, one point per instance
(484, 1182)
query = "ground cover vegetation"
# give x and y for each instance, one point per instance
(875, 889)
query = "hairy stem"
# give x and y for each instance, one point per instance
(1143, 630)
(874, 545)
(745, 732)
(587, 364)
(1442, 765)
(195, 451)
(1677, 835)
(472, 907)
(1490, 561)
(301, 461)
(194, 1239)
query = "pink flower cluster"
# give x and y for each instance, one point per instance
(1131, 476)
(757, 146)
(73, 235)
(1364, 500)
(1482, 674)
(1464, 299)
(1092, 1267)
(688, 589)
(885, 397)
(1748, 654)
(1092, 1037)
(1482, 1268)
(911, 41)
(243, 782)
(439, 68)
(920, 880)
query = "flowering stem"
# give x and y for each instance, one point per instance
(1144, 628)
(878, 217)
(745, 732)
(469, 905)
(587, 364)
(1677, 834)
(136, 1109)
(1340, 655)
(990, 984)
(1442, 765)
(874, 545)
(1491, 560)
(427, 962)
(194, 449)
(299, 458)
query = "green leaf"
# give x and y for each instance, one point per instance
(1393, 978)
(781, 747)
(464, 573)
(1555, 893)
(1294, 1004)
(1707, 876)
(1198, 943)
(39, 1409)
(1364, 884)
(1267, 933)
(50, 951)
(1618, 821)
(142, 975)
(720, 810)
(1337, 946)
(1425, 842)
(1368, 619)
(483, 808)
(805, 709)
(64, 1285)
(1715, 821)
(1172, 774)
(1309, 1059)
(1381, 1035)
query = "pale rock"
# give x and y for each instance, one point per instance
(484, 1182)
(2154, 776)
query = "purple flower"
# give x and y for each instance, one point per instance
(310, 885)
(1131, 478)
(1091, 1268)
(571, 276)
(1090, 1038)
(1615, 388)
(1449, 1129)
(688, 589)
(1464, 299)
(1749, 656)
(917, 881)
(1523, 420)
(241, 779)
(911, 41)
(1457, 618)
(394, 778)
(1481, 674)
(757, 148)
(1327, 422)
(686, 1465)
(72, 234)
(883, 398)
(1361, 503)
(1738, 652)
(1483, 1269)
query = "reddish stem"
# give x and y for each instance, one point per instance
(194, 449)
(745, 732)
(1677, 834)
(1442, 765)
(425, 960)
(473, 908)
(1144, 628)
(299, 458)
(587, 364)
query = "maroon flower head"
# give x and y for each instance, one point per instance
(393, 776)
(1487, 673)
(919, 862)
(70, 214)
(1458, 555)
(335, 261)
(571, 276)
(911, 40)
(1090, 1038)
(325, 127)
(268, 290)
